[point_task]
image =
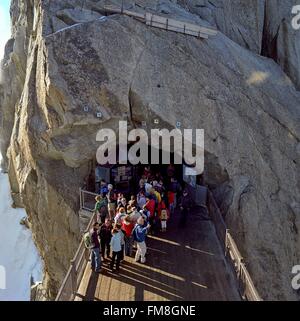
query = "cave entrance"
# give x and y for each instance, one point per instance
(126, 177)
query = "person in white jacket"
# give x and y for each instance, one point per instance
(116, 243)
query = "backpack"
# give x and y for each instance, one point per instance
(88, 240)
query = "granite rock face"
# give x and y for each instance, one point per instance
(262, 26)
(70, 57)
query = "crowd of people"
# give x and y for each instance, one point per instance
(124, 221)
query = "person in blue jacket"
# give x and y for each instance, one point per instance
(139, 233)
(103, 188)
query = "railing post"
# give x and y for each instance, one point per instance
(73, 279)
(226, 242)
(80, 198)
(242, 281)
(239, 270)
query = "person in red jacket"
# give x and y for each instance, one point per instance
(127, 228)
(151, 206)
(171, 201)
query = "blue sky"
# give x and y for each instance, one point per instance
(4, 24)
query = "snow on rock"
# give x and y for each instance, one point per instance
(18, 254)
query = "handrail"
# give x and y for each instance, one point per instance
(162, 22)
(245, 284)
(84, 205)
(74, 274)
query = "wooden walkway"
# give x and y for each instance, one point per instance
(182, 264)
(161, 22)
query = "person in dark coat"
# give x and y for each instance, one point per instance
(185, 204)
(105, 238)
(95, 250)
(175, 189)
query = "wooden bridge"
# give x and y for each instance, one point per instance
(198, 262)
(161, 22)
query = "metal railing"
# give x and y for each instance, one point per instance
(76, 270)
(78, 264)
(245, 284)
(164, 23)
(87, 200)
(217, 218)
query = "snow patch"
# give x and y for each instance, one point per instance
(18, 254)
(103, 18)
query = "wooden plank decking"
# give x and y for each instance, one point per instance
(182, 264)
